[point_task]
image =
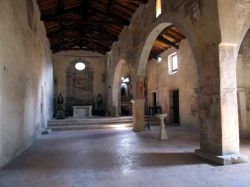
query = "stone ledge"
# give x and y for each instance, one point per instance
(223, 160)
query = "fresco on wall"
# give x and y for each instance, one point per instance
(248, 101)
(210, 71)
(79, 87)
(174, 4)
(193, 9)
(214, 125)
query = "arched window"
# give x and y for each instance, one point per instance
(158, 8)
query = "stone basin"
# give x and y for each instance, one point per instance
(161, 115)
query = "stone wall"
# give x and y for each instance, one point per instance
(62, 60)
(26, 76)
(243, 83)
(185, 80)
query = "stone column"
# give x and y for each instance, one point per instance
(138, 115)
(218, 106)
(138, 104)
(117, 110)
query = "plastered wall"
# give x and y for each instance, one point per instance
(185, 80)
(26, 76)
(61, 61)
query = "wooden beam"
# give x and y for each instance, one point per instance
(166, 41)
(78, 10)
(79, 29)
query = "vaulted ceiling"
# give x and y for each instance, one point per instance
(86, 24)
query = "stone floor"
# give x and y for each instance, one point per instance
(120, 157)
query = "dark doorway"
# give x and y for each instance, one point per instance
(154, 98)
(175, 107)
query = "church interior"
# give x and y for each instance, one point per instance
(125, 93)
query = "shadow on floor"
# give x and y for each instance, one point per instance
(80, 138)
(168, 159)
(65, 160)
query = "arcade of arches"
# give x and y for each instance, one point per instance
(192, 62)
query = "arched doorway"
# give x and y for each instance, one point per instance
(122, 90)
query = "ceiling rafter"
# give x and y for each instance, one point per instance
(93, 24)
(171, 36)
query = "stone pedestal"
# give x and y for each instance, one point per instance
(163, 132)
(138, 114)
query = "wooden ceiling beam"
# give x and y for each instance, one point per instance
(78, 28)
(79, 47)
(177, 33)
(134, 1)
(78, 10)
(94, 24)
(116, 18)
(167, 42)
(85, 49)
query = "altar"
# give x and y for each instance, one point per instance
(82, 111)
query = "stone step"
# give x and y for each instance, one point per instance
(92, 126)
(94, 123)
(89, 120)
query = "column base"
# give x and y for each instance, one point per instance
(224, 159)
(138, 130)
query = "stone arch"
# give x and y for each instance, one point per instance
(243, 31)
(160, 24)
(163, 21)
(243, 83)
(116, 103)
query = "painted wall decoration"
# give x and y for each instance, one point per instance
(193, 9)
(210, 71)
(214, 127)
(194, 106)
(248, 101)
(79, 87)
(175, 4)
(140, 88)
